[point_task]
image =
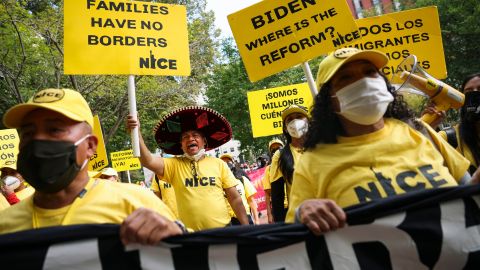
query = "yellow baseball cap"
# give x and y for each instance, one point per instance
(329, 66)
(68, 102)
(107, 171)
(294, 109)
(275, 141)
(226, 156)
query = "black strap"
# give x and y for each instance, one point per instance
(451, 136)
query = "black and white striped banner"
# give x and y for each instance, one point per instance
(433, 229)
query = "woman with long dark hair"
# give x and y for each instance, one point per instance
(363, 144)
(295, 126)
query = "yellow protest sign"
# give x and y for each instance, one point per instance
(8, 147)
(125, 37)
(400, 34)
(266, 106)
(273, 35)
(99, 160)
(124, 161)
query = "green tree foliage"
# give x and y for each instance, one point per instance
(459, 21)
(227, 89)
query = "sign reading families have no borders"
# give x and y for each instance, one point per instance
(125, 37)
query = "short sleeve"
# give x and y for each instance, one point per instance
(456, 163)
(250, 190)
(266, 179)
(169, 169)
(275, 172)
(302, 189)
(154, 186)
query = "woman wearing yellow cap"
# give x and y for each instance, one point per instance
(295, 126)
(358, 149)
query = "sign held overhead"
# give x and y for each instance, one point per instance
(274, 35)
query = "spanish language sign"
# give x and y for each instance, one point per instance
(400, 34)
(266, 107)
(274, 35)
(125, 37)
(8, 147)
(99, 160)
(124, 161)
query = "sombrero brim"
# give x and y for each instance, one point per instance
(211, 124)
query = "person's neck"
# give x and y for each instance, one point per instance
(353, 129)
(64, 197)
(298, 142)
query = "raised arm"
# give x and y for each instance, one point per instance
(153, 163)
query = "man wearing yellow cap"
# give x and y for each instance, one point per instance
(56, 142)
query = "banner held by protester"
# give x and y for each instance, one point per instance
(429, 229)
(8, 147)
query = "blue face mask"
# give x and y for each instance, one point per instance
(49, 166)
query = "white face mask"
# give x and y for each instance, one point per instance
(11, 181)
(197, 156)
(365, 101)
(297, 128)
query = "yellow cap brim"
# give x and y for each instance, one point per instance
(377, 58)
(291, 110)
(14, 116)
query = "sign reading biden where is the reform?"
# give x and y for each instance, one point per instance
(274, 35)
(125, 37)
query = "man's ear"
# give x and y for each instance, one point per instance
(205, 142)
(92, 142)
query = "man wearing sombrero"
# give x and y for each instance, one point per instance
(200, 182)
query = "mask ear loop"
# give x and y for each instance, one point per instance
(85, 162)
(82, 139)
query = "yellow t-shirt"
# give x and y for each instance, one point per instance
(266, 179)
(246, 190)
(103, 202)
(200, 202)
(168, 194)
(276, 173)
(462, 147)
(393, 160)
(3, 202)
(25, 193)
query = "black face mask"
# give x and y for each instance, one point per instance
(231, 166)
(49, 166)
(471, 108)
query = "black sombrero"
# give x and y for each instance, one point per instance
(213, 125)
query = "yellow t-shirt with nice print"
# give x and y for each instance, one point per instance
(100, 202)
(393, 160)
(200, 200)
(167, 192)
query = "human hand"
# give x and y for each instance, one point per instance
(439, 115)
(132, 122)
(321, 215)
(147, 227)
